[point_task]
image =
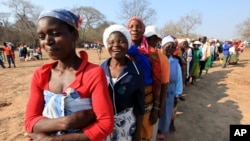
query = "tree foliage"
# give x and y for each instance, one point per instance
(183, 27)
(92, 20)
(244, 29)
(25, 13)
(140, 8)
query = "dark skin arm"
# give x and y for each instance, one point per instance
(77, 120)
(65, 137)
(155, 110)
(163, 98)
(136, 136)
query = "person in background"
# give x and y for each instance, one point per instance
(175, 88)
(1, 59)
(126, 85)
(208, 55)
(190, 51)
(226, 54)
(213, 51)
(99, 51)
(180, 53)
(153, 40)
(152, 75)
(196, 63)
(9, 54)
(39, 52)
(203, 49)
(68, 98)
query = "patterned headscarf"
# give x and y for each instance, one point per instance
(64, 15)
(144, 43)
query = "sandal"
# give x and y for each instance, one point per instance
(160, 137)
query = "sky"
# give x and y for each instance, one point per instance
(219, 17)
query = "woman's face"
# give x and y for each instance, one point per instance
(56, 38)
(183, 45)
(153, 40)
(136, 30)
(169, 48)
(196, 46)
(117, 45)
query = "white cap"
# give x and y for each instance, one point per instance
(151, 31)
(167, 39)
(181, 40)
(197, 42)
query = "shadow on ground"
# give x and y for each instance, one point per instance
(207, 112)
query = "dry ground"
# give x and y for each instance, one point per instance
(217, 100)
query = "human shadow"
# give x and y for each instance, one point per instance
(208, 111)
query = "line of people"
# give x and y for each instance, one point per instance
(131, 96)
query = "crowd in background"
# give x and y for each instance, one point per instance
(25, 53)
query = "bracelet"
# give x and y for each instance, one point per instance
(157, 102)
(156, 108)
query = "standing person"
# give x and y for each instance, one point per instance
(226, 54)
(99, 51)
(203, 49)
(1, 59)
(166, 122)
(68, 94)
(180, 53)
(190, 52)
(126, 85)
(153, 40)
(153, 71)
(208, 55)
(9, 54)
(39, 52)
(213, 51)
(196, 61)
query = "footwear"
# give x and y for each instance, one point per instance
(160, 137)
(181, 97)
(172, 127)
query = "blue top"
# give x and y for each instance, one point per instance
(175, 85)
(128, 90)
(225, 48)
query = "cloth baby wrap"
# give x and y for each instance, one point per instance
(60, 105)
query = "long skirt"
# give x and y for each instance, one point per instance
(233, 59)
(147, 127)
(165, 120)
(195, 69)
(208, 63)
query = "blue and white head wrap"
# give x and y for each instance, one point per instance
(67, 16)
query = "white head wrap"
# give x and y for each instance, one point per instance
(151, 31)
(119, 28)
(181, 40)
(197, 42)
(167, 39)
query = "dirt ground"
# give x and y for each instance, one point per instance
(214, 102)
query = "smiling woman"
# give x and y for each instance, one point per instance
(126, 87)
(57, 96)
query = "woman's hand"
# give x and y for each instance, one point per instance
(37, 137)
(81, 119)
(153, 116)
